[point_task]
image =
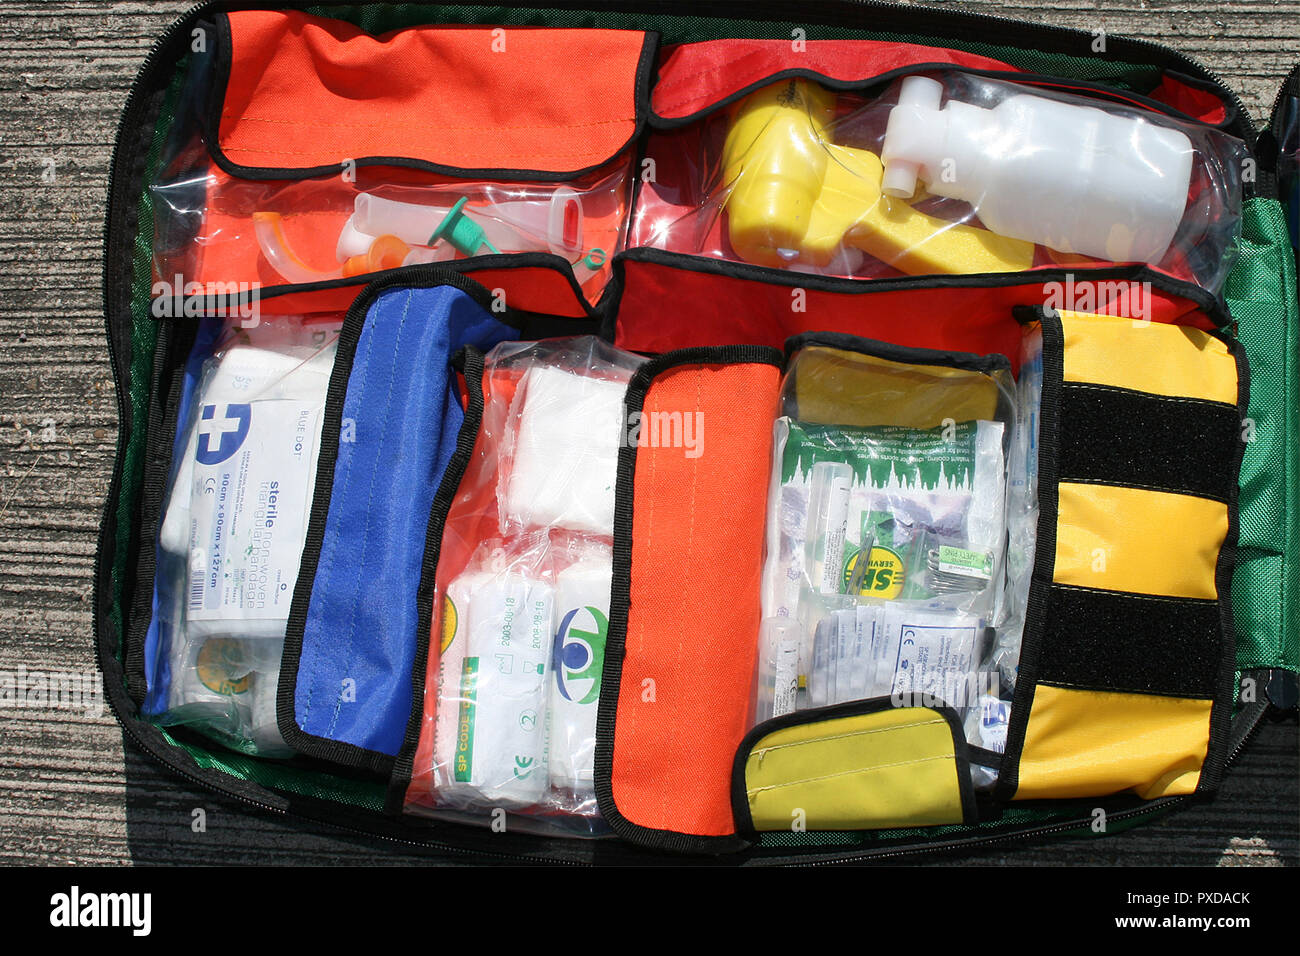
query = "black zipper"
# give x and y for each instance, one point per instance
(117, 209)
(1290, 87)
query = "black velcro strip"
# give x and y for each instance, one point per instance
(1116, 436)
(1109, 640)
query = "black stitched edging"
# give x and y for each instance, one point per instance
(902, 354)
(853, 708)
(337, 751)
(1205, 301)
(468, 361)
(1135, 439)
(226, 304)
(1035, 80)
(1031, 644)
(620, 602)
(216, 104)
(983, 757)
(1219, 751)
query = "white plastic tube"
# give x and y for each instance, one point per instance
(352, 241)
(413, 223)
(268, 228)
(545, 224)
(557, 221)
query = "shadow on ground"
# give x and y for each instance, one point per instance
(1254, 820)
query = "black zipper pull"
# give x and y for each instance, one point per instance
(1282, 689)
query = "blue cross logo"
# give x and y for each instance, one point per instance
(228, 432)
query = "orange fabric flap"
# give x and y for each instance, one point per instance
(301, 95)
(695, 542)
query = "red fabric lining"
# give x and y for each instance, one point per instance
(709, 309)
(1193, 101)
(694, 76)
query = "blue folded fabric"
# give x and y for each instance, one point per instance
(400, 421)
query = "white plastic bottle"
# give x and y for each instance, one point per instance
(1075, 178)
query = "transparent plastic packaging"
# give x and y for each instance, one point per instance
(1022, 510)
(233, 528)
(945, 173)
(887, 531)
(215, 229)
(523, 591)
(497, 689)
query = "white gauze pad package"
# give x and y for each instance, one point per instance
(240, 501)
(500, 754)
(568, 429)
(451, 659)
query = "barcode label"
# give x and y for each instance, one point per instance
(196, 590)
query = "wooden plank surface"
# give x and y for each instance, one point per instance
(69, 793)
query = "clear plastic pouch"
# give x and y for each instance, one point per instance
(886, 569)
(221, 231)
(1022, 512)
(523, 591)
(945, 173)
(233, 526)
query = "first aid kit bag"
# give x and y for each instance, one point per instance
(588, 434)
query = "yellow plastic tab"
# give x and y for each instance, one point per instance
(1086, 743)
(840, 387)
(851, 209)
(850, 187)
(1154, 357)
(894, 767)
(918, 244)
(1145, 542)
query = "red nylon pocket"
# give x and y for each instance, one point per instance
(302, 95)
(695, 77)
(718, 304)
(224, 251)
